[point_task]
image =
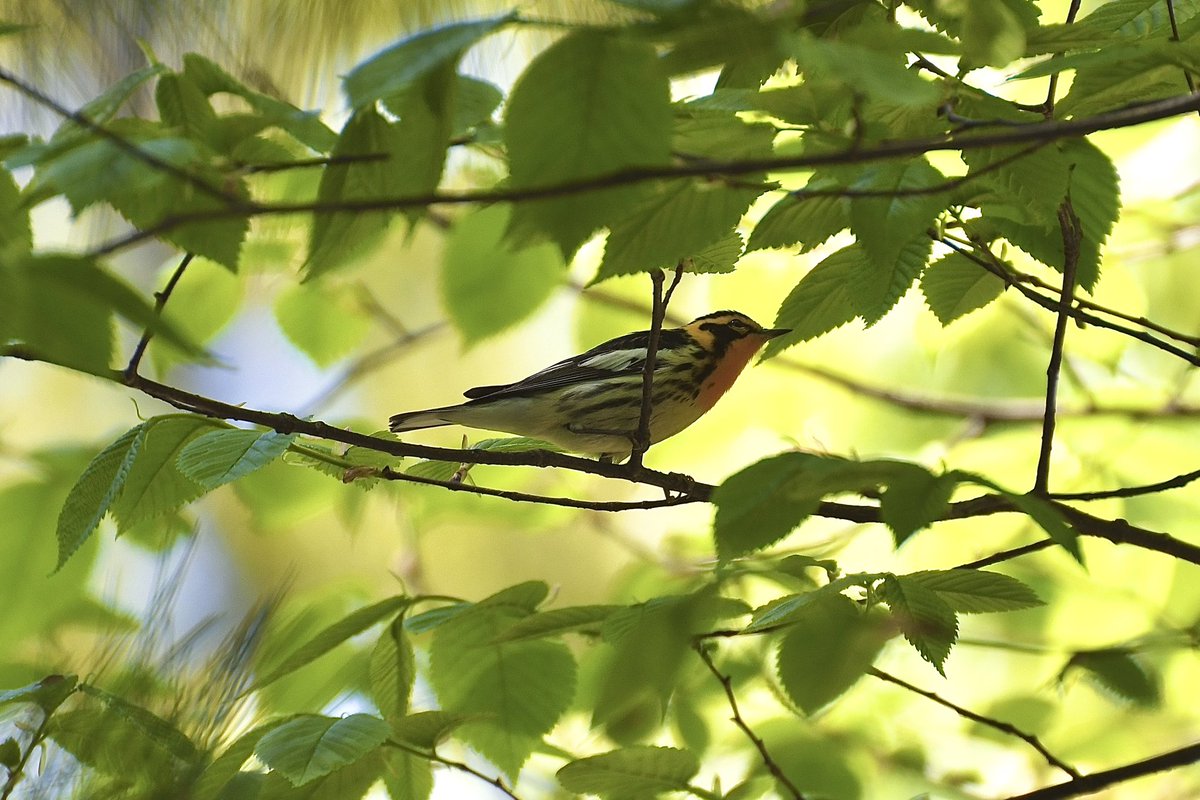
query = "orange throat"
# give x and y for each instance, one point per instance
(727, 371)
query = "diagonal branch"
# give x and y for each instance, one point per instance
(1101, 780)
(160, 300)
(641, 438)
(1004, 727)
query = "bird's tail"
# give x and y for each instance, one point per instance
(413, 420)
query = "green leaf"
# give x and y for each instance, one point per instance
(218, 457)
(16, 237)
(94, 492)
(1119, 673)
(324, 323)
(821, 301)
(914, 499)
(992, 34)
(955, 286)
(427, 729)
(305, 126)
(201, 306)
(885, 226)
(154, 485)
(341, 236)
(488, 286)
(405, 63)
(591, 104)
(332, 635)
(720, 135)
(765, 501)
(1149, 71)
(407, 777)
(212, 783)
(925, 619)
(1038, 180)
(10, 754)
(181, 105)
(522, 688)
(799, 219)
(392, 671)
(1037, 509)
(557, 622)
(48, 693)
(103, 108)
(680, 220)
(310, 746)
(877, 75)
(829, 645)
(717, 258)
(631, 772)
(158, 730)
(878, 285)
(976, 591)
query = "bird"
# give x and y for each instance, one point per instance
(591, 403)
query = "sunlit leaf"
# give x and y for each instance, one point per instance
(309, 747)
(631, 772)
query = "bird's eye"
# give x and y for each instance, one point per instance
(737, 326)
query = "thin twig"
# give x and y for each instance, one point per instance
(1187, 76)
(1004, 727)
(1052, 90)
(1131, 491)
(306, 163)
(160, 300)
(759, 745)
(1007, 555)
(1100, 780)
(387, 473)
(1046, 131)
(640, 441)
(1072, 236)
(236, 206)
(432, 755)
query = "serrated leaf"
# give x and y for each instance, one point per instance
(631, 772)
(407, 777)
(487, 286)
(332, 635)
(310, 746)
(94, 492)
(926, 620)
(717, 258)
(1040, 511)
(522, 688)
(15, 236)
(802, 220)
(914, 499)
(392, 671)
(398, 67)
(1119, 673)
(828, 647)
(158, 730)
(591, 104)
(884, 226)
(154, 485)
(680, 220)
(223, 769)
(721, 135)
(878, 285)
(324, 323)
(218, 457)
(1038, 179)
(763, 502)
(48, 693)
(821, 301)
(955, 286)
(974, 591)
(427, 729)
(992, 34)
(557, 622)
(181, 105)
(877, 75)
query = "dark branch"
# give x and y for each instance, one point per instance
(640, 441)
(160, 300)
(1007, 555)
(759, 745)
(1100, 780)
(1048, 131)
(1072, 236)
(1132, 491)
(995, 724)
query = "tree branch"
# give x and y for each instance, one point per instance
(432, 755)
(1100, 780)
(160, 300)
(738, 720)
(1047, 131)
(640, 441)
(1072, 236)
(1131, 491)
(995, 724)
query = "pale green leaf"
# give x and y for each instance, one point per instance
(804, 220)
(392, 671)
(427, 729)
(154, 485)
(955, 286)
(631, 772)
(886, 225)
(161, 732)
(914, 499)
(326, 324)
(309, 747)
(487, 285)
(557, 622)
(926, 620)
(821, 301)
(973, 591)
(1119, 673)
(94, 492)
(221, 456)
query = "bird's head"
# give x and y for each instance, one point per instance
(720, 330)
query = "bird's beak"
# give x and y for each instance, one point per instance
(771, 333)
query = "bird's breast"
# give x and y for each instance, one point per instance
(726, 372)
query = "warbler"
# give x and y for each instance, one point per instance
(591, 403)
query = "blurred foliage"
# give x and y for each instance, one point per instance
(199, 603)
